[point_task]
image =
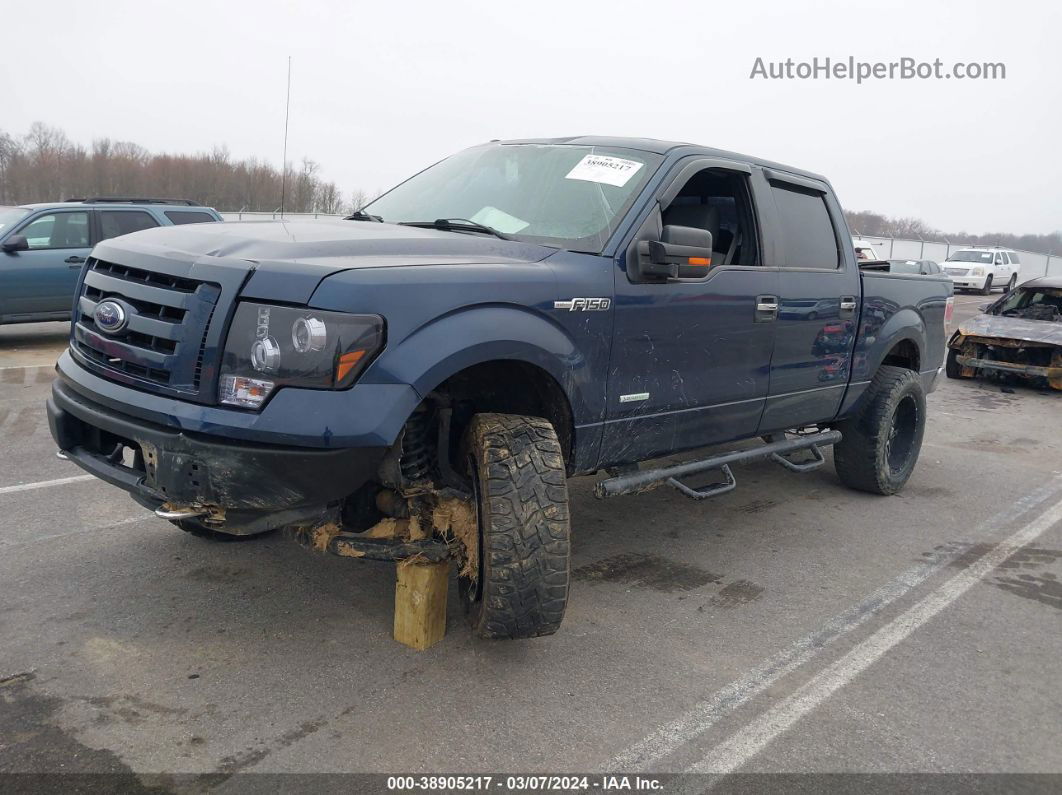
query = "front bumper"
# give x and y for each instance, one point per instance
(969, 282)
(1052, 374)
(242, 483)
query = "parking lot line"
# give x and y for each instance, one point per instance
(735, 751)
(43, 484)
(706, 713)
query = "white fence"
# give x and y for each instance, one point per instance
(1032, 264)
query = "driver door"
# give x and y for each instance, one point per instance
(691, 358)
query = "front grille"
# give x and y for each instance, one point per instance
(164, 340)
(957, 271)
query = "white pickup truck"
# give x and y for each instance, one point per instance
(983, 269)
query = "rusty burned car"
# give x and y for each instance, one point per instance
(1020, 334)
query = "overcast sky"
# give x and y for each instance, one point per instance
(381, 89)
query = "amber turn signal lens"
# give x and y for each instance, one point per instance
(700, 261)
(346, 364)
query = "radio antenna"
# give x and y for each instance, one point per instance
(284, 162)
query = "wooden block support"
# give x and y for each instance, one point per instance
(420, 603)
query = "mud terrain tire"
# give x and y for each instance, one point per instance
(518, 474)
(881, 443)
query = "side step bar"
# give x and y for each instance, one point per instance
(776, 449)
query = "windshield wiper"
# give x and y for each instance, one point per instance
(456, 225)
(361, 215)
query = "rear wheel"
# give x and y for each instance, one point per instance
(519, 589)
(192, 527)
(881, 443)
(1011, 284)
(988, 285)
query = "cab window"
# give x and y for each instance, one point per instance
(719, 201)
(807, 230)
(57, 230)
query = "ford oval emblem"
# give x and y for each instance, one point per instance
(110, 317)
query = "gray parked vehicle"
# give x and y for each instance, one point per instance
(43, 246)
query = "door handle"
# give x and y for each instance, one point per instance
(766, 308)
(848, 305)
(74, 259)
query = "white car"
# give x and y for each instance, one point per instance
(983, 269)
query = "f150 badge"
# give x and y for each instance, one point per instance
(584, 304)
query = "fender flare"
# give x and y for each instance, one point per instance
(905, 325)
(473, 335)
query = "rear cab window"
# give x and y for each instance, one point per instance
(178, 217)
(807, 229)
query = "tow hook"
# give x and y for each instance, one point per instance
(180, 513)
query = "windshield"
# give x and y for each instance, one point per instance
(1033, 304)
(568, 196)
(904, 266)
(10, 216)
(971, 256)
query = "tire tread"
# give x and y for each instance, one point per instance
(526, 554)
(858, 457)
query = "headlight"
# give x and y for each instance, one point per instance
(977, 272)
(273, 346)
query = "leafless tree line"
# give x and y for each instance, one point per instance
(874, 225)
(45, 165)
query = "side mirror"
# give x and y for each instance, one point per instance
(683, 252)
(16, 243)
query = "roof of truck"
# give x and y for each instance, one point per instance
(663, 148)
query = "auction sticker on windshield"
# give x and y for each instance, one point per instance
(602, 168)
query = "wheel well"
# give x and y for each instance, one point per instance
(508, 387)
(903, 354)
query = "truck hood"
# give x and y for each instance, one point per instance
(289, 259)
(334, 244)
(1013, 328)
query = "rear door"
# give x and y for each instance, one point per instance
(690, 358)
(819, 295)
(40, 282)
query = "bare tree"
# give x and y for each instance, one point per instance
(43, 165)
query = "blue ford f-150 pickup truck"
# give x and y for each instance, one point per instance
(420, 380)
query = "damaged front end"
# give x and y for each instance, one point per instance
(1018, 345)
(416, 510)
(225, 485)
